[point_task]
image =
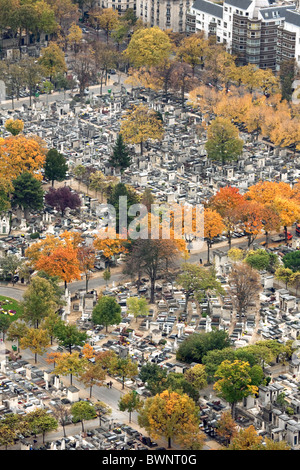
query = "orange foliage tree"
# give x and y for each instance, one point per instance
(61, 262)
(213, 226)
(225, 202)
(19, 154)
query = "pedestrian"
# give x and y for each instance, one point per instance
(200, 260)
(110, 384)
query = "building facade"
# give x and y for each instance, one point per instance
(166, 14)
(255, 31)
(120, 5)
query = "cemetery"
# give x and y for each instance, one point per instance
(176, 170)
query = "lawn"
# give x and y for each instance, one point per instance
(10, 306)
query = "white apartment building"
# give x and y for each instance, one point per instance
(259, 32)
(120, 5)
(166, 14)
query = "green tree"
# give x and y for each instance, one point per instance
(130, 402)
(234, 382)
(137, 306)
(83, 410)
(154, 377)
(124, 368)
(223, 142)
(292, 261)
(197, 345)
(106, 312)
(69, 335)
(37, 340)
(284, 274)
(39, 301)
(27, 193)
(41, 422)
(55, 166)
(106, 275)
(120, 157)
(196, 376)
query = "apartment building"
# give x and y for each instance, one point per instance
(166, 14)
(120, 5)
(258, 32)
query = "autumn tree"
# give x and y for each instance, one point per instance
(223, 142)
(74, 37)
(213, 226)
(86, 257)
(245, 285)
(191, 50)
(108, 21)
(225, 202)
(37, 340)
(93, 374)
(168, 415)
(249, 216)
(14, 126)
(234, 382)
(196, 376)
(52, 60)
(246, 439)
(61, 262)
(84, 68)
(141, 124)
(55, 166)
(106, 312)
(226, 427)
(62, 198)
(20, 154)
(69, 364)
(148, 47)
(284, 274)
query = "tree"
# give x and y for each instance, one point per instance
(69, 364)
(40, 421)
(292, 261)
(226, 427)
(39, 301)
(234, 382)
(148, 47)
(106, 275)
(294, 281)
(120, 157)
(33, 73)
(37, 340)
(63, 198)
(137, 306)
(197, 345)
(83, 410)
(284, 274)
(287, 74)
(245, 286)
(10, 265)
(196, 281)
(86, 257)
(69, 335)
(258, 259)
(108, 21)
(27, 193)
(61, 262)
(102, 409)
(182, 80)
(106, 312)
(223, 142)
(250, 217)
(246, 439)
(225, 202)
(4, 325)
(169, 415)
(93, 374)
(20, 154)
(141, 124)
(213, 226)
(118, 191)
(84, 69)
(52, 60)
(124, 368)
(130, 402)
(75, 36)
(196, 376)
(191, 50)
(14, 126)
(55, 166)
(154, 377)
